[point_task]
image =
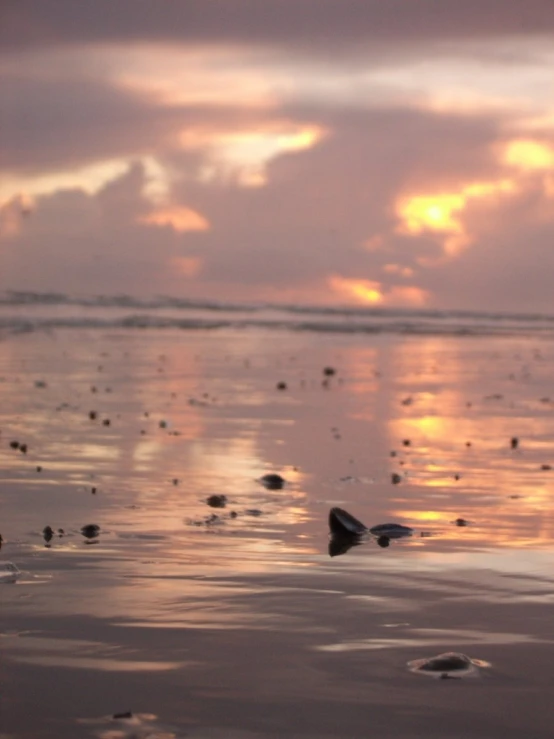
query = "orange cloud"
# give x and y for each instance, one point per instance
(243, 155)
(370, 292)
(441, 213)
(187, 266)
(12, 214)
(529, 155)
(177, 217)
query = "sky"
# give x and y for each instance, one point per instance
(337, 152)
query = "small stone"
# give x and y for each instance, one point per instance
(106, 422)
(281, 385)
(23, 448)
(217, 501)
(461, 522)
(163, 424)
(48, 533)
(39, 468)
(123, 714)
(90, 531)
(395, 478)
(14, 444)
(93, 415)
(93, 490)
(514, 442)
(329, 371)
(546, 467)
(272, 481)
(406, 442)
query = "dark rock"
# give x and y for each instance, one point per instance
(48, 533)
(447, 662)
(396, 478)
(106, 422)
(461, 522)
(123, 714)
(217, 501)
(406, 442)
(546, 467)
(343, 523)
(93, 415)
(272, 481)
(90, 531)
(39, 468)
(14, 444)
(514, 442)
(329, 371)
(391, 530)
(23, 448)
(281, 386)
(383, 541)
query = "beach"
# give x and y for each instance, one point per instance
(234, 621)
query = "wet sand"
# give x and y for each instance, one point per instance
(243, 626)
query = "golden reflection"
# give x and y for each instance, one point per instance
(441, 212)
(529, 155)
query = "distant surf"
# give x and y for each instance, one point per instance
(22, 312)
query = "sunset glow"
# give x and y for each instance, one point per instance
(369, 292)
(529, 155)
(178, 218)
(442, 213)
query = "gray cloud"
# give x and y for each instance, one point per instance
(323, 24)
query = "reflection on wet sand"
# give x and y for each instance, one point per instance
(405, 431)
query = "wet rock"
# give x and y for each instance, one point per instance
(448, 665)
(461, 522)
(90, 531)
(396, 478)
(342, 543)
(343, 523)
(383, 541)
(391, 530)
(217, 501)
(272, 481)
(48, 533)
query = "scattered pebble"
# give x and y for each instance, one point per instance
(23, 448)
(406, 442)
(461, 522)
(546, 467)
(217, 501)
(514, 442)
(93, 415)
(396, 478)
(272, 481)
(90, 531)
(281, 386)
(14, 444)
(329, 371)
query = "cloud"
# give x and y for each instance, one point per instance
(315, 24)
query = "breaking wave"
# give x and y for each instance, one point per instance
(22, 312)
